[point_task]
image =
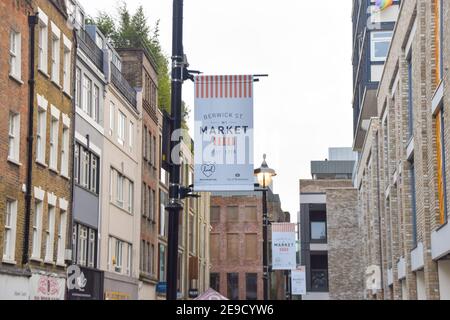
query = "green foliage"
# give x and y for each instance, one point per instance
(133, 30)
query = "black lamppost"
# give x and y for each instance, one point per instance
(264, 175)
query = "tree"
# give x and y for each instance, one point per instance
(134, 31)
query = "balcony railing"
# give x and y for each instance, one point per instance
(123, 86)
(90, 48)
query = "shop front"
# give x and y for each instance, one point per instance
(47, 286)
(14, 287)
(119, 287)
(84, 283)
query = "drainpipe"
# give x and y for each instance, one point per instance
(379, 221)
(32, 22)
(72, 145)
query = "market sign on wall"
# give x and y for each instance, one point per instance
(298, 281)
(223, 133)
(283, 246)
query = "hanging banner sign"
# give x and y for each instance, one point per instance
(223, 133)
(298, 281)
(283, 246)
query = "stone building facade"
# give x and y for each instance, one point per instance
(139, 68)
(329, 229)
(121, 180)
(402, 173)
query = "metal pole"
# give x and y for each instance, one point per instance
(265, 246)
(175, 206)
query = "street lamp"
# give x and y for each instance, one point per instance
(264, 174)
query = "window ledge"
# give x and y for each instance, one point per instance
(121, 209)
(14, 161)
(52, 263)
(44, 73)
(65, 176)
(67, 94)
(8, 261)
(35, 259)
(16, 79)
(41, 163)
(54, 170)
(57, 84)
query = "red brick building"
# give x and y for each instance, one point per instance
(14, 94)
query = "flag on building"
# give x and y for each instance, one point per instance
(384, 4)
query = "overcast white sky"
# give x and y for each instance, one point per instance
(304, 106)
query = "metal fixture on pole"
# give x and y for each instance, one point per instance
(265, 175)
(177, 193)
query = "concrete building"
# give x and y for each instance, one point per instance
(14, 120)
(329, 230)
(121, 180)
(236, 245)
(402, 175)
(139, 68)
(90, 81)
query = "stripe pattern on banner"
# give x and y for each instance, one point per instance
(224, 87)
(283, 227)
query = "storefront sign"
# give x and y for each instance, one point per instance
(283, 246)
(109, 295)
(47, 287)
(14, 287)
(298, 281)
(224, 133)
(84, 283)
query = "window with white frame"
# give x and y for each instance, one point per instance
(96, 102)
(112, 111)
(120, 188)
(78, 88)
(86, 98)
(131, 135)
(14, 136)
(54, 130)
(121, 128)
(43, 42)
(117, 255)
(130, 196)
(86, 168)
(66, 68)
(380, 43)
(41, 135)
(82, 245)
(56, 52)
(91, 248)
(65, 151)
(37, 229)
(9, 242)
(85, 246)
(15, 55)
(124, 191)
(61, 236)
(129, 259)
(50, 234)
